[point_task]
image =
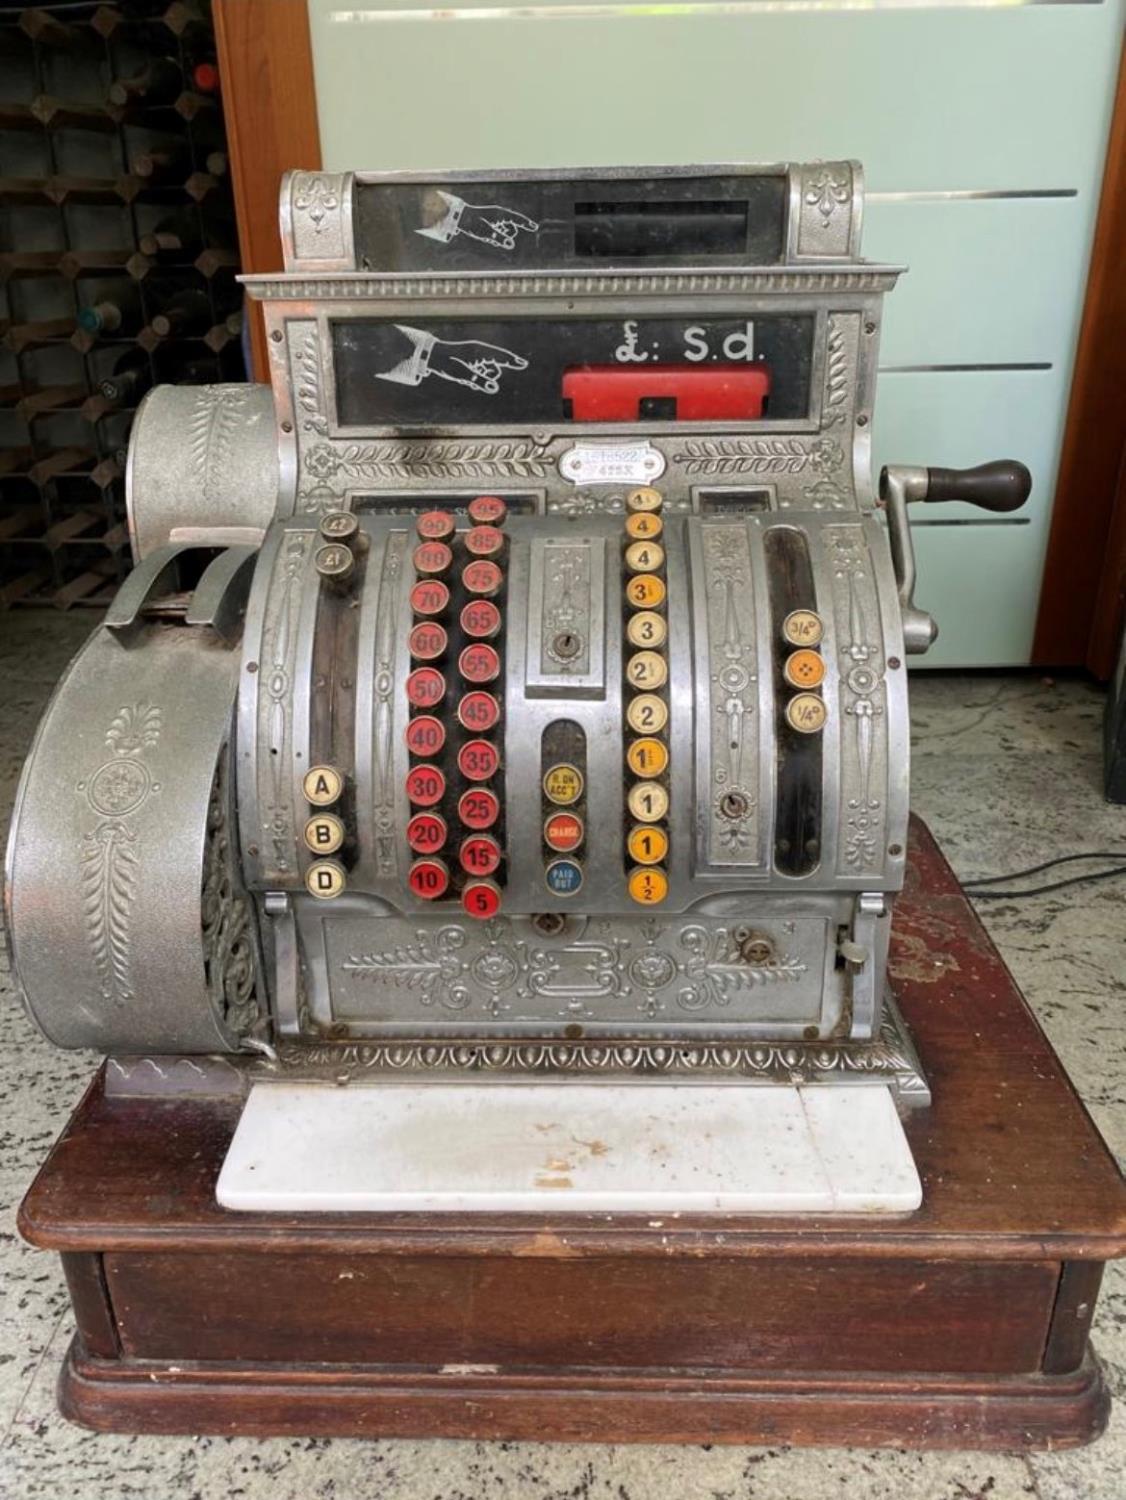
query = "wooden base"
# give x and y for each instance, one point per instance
(962, 1325)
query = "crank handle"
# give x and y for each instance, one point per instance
(1000, 486)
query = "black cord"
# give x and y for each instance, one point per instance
(971, 887)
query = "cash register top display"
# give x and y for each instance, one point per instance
(518, 685)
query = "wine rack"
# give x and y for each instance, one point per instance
(118, 262)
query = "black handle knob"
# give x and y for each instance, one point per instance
(1002, 485)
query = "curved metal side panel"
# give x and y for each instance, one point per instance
(202, 466)
(125, 911)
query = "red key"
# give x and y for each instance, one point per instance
(430, 596)
(484, 541)
(482, 577)
(479, 855)
(478, 807)
(426, 786)
(487, 510)
(425, 735)
(481, 619)
(426, 687)
(481, 899)
(477, 760)
(435, 525)
(563, 832)
(428, 641)
(479, 663)
(426, 832)
(478, 712)
(428, 878)
(432, 558)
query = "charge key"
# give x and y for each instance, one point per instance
(563, 832)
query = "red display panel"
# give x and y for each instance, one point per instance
(682, 393)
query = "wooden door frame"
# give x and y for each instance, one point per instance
(269, 92)
(265, 58)
(1082, 593)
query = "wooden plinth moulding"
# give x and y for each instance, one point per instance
(964, 1324)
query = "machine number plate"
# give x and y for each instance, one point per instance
(617, 463)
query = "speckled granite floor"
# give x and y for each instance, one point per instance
(1007, 772)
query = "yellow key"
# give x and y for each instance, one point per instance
(645, 497)
(324, 834)
(322, 785)
(643, 524)
(647, 757)
(648, 801)
(647, 629)
(644, 591)
(806, 713)
(563, 784)
(647, 670)
(647, 845)
(804, 669)
(647, 714)
(648, 887)
(645, 557)
(802, 627)
(324, 879)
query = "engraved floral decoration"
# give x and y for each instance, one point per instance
(279, 652)
(826, 192)
(315, 197)
(322, 461)
(862, 696)
(780, 455)
(109, 862)
(888, 1057)
(731, 638)
(697, 966)
(230, 941)
(216, 419)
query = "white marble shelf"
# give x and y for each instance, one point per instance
(548, 1147)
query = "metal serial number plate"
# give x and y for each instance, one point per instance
(620, 463)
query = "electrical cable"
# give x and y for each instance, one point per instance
(973, 889)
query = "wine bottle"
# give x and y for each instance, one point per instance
(184, 314)
(100, 317)
(129, 379)
(217, 163)
(161, 82)
(173, 238)
(205, 77)
(162, 168)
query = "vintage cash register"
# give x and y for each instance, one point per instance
(491, 784)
